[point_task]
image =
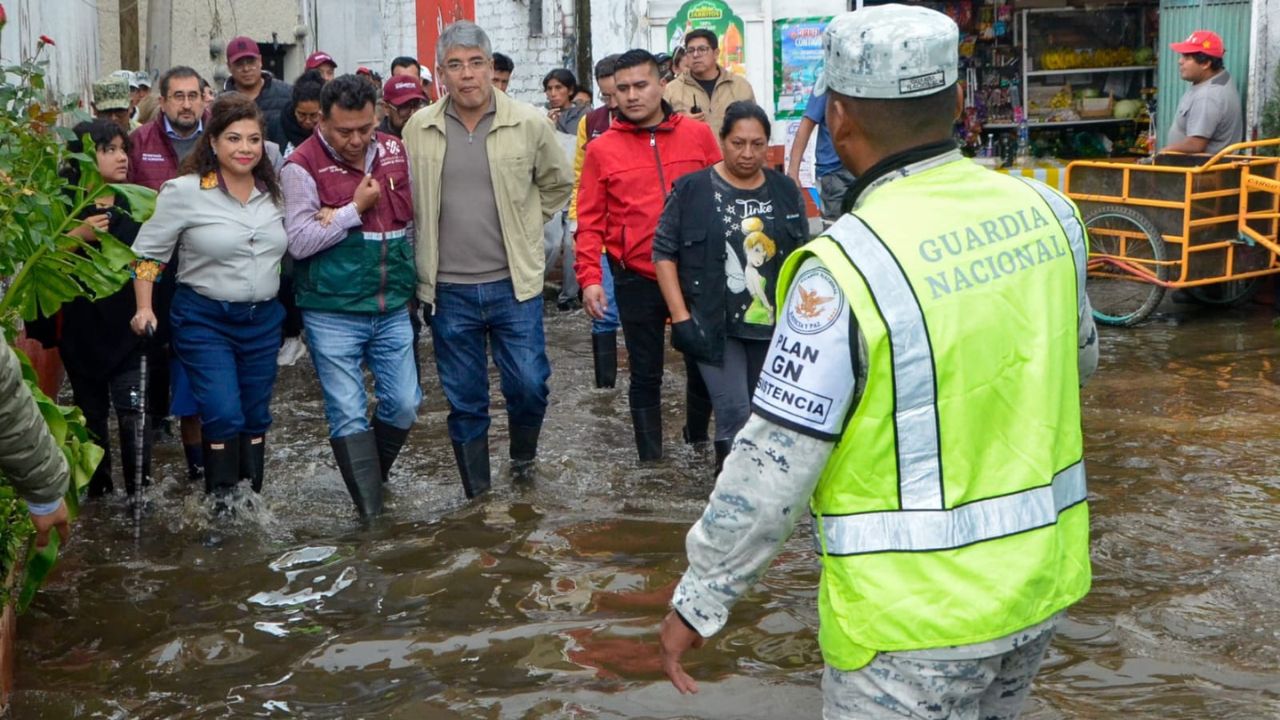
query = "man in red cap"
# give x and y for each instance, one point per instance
(324, 62)
(244, 60)
(402, 96)
(1209, 117)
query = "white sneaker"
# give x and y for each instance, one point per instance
(291, 351)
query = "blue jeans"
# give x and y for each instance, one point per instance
(229, 352)
(342, 345)
(610, 322)
(466, 316)
(558, 245)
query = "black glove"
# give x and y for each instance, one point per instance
(687, 337)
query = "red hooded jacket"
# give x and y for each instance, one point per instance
(626, 177)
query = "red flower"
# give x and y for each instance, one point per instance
(3, 18)
(46, 40)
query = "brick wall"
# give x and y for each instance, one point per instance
(507, 23)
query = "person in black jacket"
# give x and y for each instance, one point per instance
(299, 118)
(721, 240)
(101, 354)
(244, 61)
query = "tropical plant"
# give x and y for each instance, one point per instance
(44, 267)
(1271, 115)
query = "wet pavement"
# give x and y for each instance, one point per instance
(542, 600)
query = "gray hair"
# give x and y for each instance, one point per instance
(462, 33)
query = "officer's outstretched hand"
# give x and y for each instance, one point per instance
(674, 639)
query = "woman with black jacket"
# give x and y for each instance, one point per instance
(720, 242)
(101, 354)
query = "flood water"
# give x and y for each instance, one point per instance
(542, 600)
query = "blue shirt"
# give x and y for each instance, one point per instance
(825, 153)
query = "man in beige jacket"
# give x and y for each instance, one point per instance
(706, 90)
(487, 174)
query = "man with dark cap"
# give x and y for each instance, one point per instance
(402, 96)
(322, 62)
(933, 434)
(244, 60)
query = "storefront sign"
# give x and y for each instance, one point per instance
(797, 60)
(718, 17)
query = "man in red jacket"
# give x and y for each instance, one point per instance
(626, 176)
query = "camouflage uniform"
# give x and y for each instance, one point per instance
(773, 470)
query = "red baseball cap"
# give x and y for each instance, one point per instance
(242, 47)
(1201, 41)
(400, 89)
(318, 58)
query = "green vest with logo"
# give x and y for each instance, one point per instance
(952, 509)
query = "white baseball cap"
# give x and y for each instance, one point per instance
(890, 52)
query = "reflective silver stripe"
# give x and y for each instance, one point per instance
(898, 531)
(1066, 213)
(915, 400)
(388, 235)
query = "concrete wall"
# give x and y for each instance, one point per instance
(355, 36)
(73, 59)
(198, 23)
(507, 24)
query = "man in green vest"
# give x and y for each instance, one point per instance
(922, 398)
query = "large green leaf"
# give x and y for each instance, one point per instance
(142, 201)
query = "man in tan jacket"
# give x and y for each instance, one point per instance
(706, 90)
(487, 173)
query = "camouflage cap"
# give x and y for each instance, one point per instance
(890, 52)
(111, 93)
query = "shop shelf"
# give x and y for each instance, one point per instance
(1082, 71)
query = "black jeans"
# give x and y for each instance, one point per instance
(96, 396)
(644, 324)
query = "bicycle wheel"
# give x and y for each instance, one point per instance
(1126, 252)
(1227, 293)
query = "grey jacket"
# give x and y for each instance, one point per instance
(29, 459)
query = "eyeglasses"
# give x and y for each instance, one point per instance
(697, 49)
(606, 97)
(475, 64)
(185, 97)
(312, 117)
(410, 107)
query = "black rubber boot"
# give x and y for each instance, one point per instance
(648, 427)
(221, 470)
(524, 443)
(722, 451)
(473, 466)
(604, 355)
(195, 462)
(389, 439)
(697, 406)
(128, 422)
(253, 460)
(524, 450)
(357, 457)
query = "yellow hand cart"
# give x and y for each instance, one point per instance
(1211, 227)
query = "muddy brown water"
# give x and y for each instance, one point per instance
(542, 600)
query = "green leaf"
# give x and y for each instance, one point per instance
(142, 200)
(39, 564)
(115, 253)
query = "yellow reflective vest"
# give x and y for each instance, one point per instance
(952, 510)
